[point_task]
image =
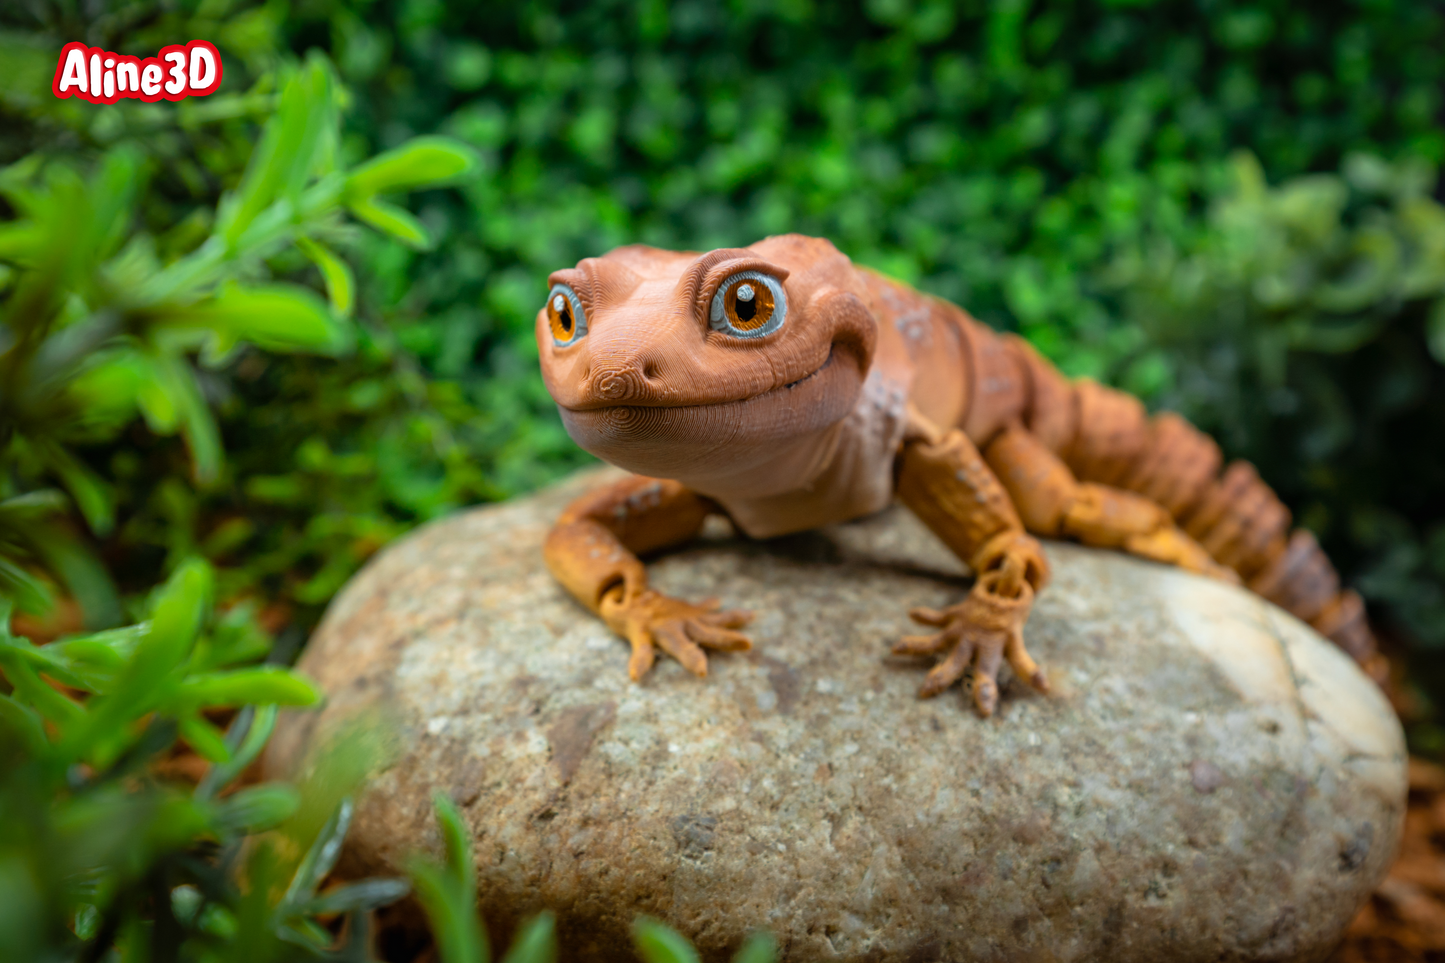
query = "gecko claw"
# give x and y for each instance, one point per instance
(981, 632)
(651, 621)
(642, 658)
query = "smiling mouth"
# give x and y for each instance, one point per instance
(697, 440)
(809, 377)
(790, 386)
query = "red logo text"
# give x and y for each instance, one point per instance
(102, 77)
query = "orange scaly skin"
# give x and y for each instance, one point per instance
(785, 388)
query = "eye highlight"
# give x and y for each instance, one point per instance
(565, 315)
(749, 304)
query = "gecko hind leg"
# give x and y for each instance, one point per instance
(1053, 503)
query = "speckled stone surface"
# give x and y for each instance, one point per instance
(1210, 780)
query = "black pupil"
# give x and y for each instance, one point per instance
(566, 318)
(745, 309)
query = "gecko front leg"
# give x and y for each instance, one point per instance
(943, 479)
(592, 551)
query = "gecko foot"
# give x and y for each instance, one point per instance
(650, 620)
(1172, 547)
(982, 630)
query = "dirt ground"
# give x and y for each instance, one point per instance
(1405, 918)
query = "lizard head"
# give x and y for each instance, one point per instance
(730, 367)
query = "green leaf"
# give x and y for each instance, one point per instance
(286, 152)
(28, 592)
(261, 685)
(34, 691)
(245, 740)
(392, 220)
(340, 287)
(359, 897)
(31, 506)
(256, 809)
(448, 893)
(453, 917)
(44, 659)
(98, 658)
(759, 947)
(318, 103)
(114, 383)
(152, 391)
(454, 837)
(420, 162)
(1435, 330)
(180, 609)
(205, 738)
(19, 240)
(113, 191)
(84, 575)
(659, 943)
(306, 933)
(320, 857)
(279, 317)
(24, 723)
(198, 427)
(93, 495)
(536, 943)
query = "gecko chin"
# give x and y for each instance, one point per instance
(726, 438)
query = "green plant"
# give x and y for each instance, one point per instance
(447, 891)
(95, 326)
(657, 942)
(98, 852)
(101, 323)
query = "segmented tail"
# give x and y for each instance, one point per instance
(1105, 436)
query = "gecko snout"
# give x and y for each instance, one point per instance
(620, 385)
(625, 383)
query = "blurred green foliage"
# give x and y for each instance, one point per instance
(100, 322)
(1228, 207)
(1003, 155)
(97, 853)
(1000, 155)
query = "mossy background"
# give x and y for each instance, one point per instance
(1229, 208)
(1004, 155)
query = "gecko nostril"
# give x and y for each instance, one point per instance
(618, 384)
(649, 372)
(612, 387)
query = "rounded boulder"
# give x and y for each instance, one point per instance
(1209, 779)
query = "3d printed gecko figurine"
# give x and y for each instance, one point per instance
(786, 388)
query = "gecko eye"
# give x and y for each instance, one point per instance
(750, 304)
(565, 314)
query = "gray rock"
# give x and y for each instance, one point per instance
(1210, 781)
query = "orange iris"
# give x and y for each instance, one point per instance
(749, 304)
(559, 314)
